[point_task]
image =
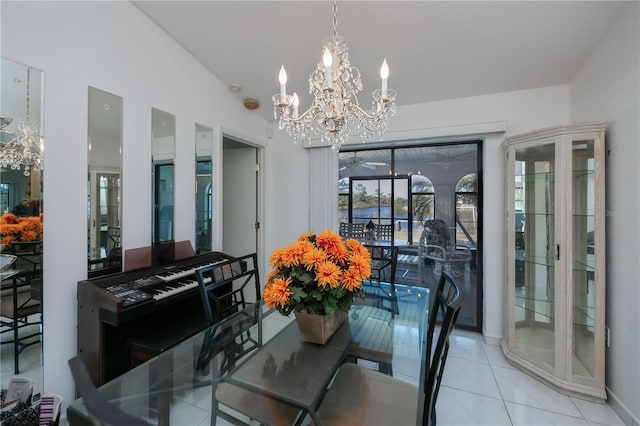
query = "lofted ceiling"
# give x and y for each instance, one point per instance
(436, 50)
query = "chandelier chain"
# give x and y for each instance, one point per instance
(335, 18)
(28, 95)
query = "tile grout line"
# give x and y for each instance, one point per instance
(495, 379)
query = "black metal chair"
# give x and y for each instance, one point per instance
(18, 306)
(225, 344)
(446, 307)
(361, 396)
(381, 286)
(97, 405)
(226, 287)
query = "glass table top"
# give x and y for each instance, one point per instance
(259, 351)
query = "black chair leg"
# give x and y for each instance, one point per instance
(16, 369)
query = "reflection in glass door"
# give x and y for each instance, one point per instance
(163, 184)
(584, 221)
(371, 201)
(204, 206)
(535, 253)
(104, 210)
(406, 186)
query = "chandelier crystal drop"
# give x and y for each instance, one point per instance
(25, 149)
(335, 111)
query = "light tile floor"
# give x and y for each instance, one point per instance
(480, 387)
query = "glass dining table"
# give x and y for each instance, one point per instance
(260, 352)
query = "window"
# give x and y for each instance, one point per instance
(422, 202)
(467, 210)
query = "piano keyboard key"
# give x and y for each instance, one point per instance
(176, 274)
(175, 288)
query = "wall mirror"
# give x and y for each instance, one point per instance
(204, 210)
(163, 156)
(21, 230)
(104, 207)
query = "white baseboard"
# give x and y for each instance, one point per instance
(621, 410)
(492, 340)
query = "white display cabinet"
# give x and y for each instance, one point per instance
(555, 246)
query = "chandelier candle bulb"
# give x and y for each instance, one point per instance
(384, 74)
(296, 102)
(282, 77)
(327, 60)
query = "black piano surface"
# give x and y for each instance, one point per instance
(113, 307)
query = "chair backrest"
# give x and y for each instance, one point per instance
(384, 259)
(446, 304)
(28, 257)
(351, 230)
(229, 340)
(436, 233)
(384, 232)
(225, 287)
(99, 407)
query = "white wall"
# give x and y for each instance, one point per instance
(114, 47)
(607, 88)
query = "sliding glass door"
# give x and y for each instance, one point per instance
(416, 188)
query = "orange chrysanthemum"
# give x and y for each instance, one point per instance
(276, 258)
(328, 275)
(357, 248)
(8, 218)
(277, 292)
(313, 258)
(7, 239)
(305, 236)
(337, 267)
(351, 279)
(29, 236)
(361, 265)
(329, 240)
(271, 275)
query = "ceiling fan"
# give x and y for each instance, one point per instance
(356, 161)
(446, 159)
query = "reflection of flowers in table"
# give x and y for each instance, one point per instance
(317, 274)
(20, 228)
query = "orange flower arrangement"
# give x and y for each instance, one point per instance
(317, 274)
(20, 229)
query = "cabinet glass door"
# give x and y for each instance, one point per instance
(583, 182)
(535, 254)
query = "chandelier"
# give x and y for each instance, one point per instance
(25, 148)
(335, 111)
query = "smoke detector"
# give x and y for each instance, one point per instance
(251, 104)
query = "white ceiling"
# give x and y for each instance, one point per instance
(435, 49)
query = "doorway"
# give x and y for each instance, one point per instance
(240, 180)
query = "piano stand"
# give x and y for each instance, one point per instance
(127, 317)
(146, 342)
